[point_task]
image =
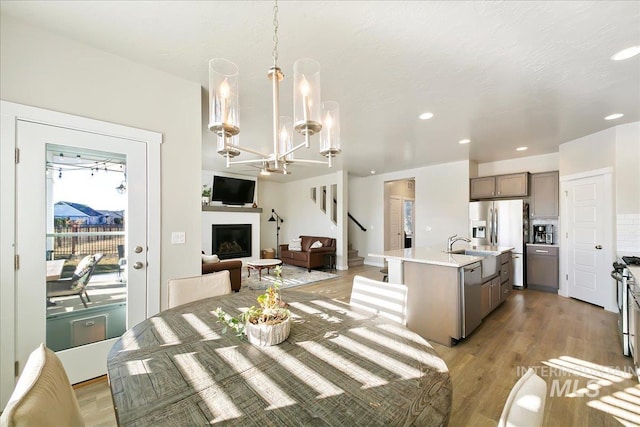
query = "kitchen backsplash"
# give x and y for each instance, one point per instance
(628, 232)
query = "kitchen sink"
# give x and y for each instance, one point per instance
(489, 261)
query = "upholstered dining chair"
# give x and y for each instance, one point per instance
(387, 299)
(43, 395)
(77, 283)
(525, 405)
(188, 289)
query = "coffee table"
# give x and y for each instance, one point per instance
(260, 264)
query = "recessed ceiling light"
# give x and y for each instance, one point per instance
(373, 172)
(464, 141)
(614, 116)
(626, 53)
(521, 148)
(426, 116)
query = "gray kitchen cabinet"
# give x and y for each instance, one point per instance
(499, 186)
(542, 268)
(505, 276)
(485, 298)
(544, 195)
(483, 187)
(495, 292)
(513, 185)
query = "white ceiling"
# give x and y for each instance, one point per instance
(504, 74)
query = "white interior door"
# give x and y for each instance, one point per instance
(395, 224)
(588, 248)
(87, 329)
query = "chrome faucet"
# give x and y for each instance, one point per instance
(452, 239)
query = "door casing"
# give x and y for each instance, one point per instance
(608, 226)
(10, 114)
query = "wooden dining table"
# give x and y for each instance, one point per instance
(339, 367)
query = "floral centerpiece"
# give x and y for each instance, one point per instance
(268, 324)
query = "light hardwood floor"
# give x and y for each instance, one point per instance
(570, 343)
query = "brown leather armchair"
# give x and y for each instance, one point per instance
(234, 267)
(309, 257)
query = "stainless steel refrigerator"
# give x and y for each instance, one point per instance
(502, 223)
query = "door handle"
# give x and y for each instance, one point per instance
(138, 249)
(138, 265)
(598, 247)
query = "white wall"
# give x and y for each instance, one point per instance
(627, 184)
(533, 164)
(441, 207)
(591, 152)
(272, 196)
(48, 71)
(627, 164)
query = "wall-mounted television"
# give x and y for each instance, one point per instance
(232, 191)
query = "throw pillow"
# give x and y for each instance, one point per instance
(295, 245)
(316, 244)
(210, 259)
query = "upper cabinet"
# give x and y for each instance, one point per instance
(544, 195)
(492, 187)
(483, 188)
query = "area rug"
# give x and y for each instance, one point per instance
(291, 276)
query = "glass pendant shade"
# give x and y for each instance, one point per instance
(330, 133)
(225, 149)
(285, 137)
(223, 97)
(306, 96)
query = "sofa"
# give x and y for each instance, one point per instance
(309, 257)
(233, 266)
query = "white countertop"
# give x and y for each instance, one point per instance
(439, 257)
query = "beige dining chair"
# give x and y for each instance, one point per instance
(387, 299)
(43, 395)
(188, 289)
(525, 405)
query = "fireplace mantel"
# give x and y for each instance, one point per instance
(229, 209)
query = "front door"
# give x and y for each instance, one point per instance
(80, 200)
(588, 248)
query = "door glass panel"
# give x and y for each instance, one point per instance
(407, 213)
(85, 241)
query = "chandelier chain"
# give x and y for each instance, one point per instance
(275, 34)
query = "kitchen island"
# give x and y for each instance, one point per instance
(444, 302)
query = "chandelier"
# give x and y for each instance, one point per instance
(310, 115)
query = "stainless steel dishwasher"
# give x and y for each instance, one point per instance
(471, 281)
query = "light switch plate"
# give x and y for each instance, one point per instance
(177, 237)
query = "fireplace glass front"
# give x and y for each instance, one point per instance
(231, 240)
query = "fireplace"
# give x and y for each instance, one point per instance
(231, 240)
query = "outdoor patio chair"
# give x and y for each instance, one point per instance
(76, 284)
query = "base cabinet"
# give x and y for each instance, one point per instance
(485, 298)
(542, 268)
(490, 295)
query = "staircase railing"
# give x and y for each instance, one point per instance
(335, 204)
